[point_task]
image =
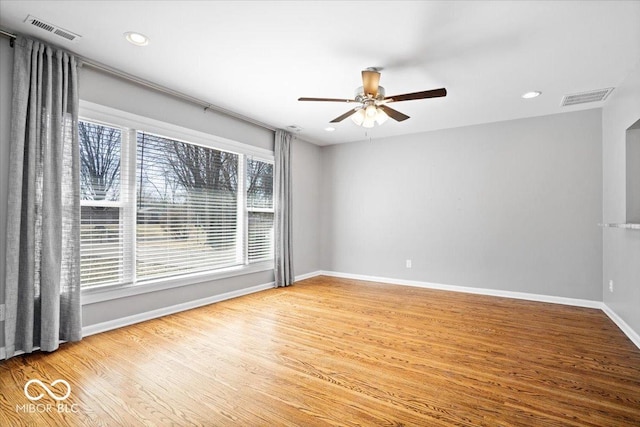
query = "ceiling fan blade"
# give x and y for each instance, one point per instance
(370, 82)
(394, 114)
(327, 99)
(342, 117)
(435, 93)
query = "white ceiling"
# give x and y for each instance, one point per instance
(257, 58)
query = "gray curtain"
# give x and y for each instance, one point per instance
(42, 283)
(283, 249)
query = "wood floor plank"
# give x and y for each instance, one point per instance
(340, 352)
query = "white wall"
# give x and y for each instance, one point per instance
(621, 261)
(508, 206)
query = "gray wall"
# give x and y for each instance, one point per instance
(110, 91)
(106, 90)
(6, 75)
(307, 179)
(633, 174)
(621, 261)
(510, 206)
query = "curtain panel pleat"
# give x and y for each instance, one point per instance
(283, 226)
(42, 281)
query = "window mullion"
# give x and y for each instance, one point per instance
(128, 222)
(241, 222)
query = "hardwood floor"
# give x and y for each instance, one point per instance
(342, 352)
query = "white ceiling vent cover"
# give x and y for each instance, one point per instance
(53, 29)
(584, 97)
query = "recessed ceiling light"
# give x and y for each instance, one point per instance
(136, 38)
(330, 129)
(532, 94)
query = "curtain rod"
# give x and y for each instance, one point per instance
(146, 83)
(10, 36)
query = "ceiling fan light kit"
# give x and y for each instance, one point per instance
(368, 117)
(373, 108)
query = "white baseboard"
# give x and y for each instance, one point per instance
(308, 275)
(470, 290)
(153, 314)
(148, 315)
(624, 326)
(141, 317)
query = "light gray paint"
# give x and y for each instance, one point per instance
(511, 205)
(633, 174)
(504, 206)
(621, 250)
(105, 89)
(306, 177)
(104, 311)
(6, 76)
(110, 91)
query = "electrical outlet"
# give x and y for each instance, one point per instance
(610, 285)
(408, 263)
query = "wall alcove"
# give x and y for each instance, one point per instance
(632, 155)
(633, 173)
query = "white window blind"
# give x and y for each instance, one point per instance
(260, 209)
(187, 208)
(156, 207)
(101, 250)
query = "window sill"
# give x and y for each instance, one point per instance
(106, 293)
(628, 226)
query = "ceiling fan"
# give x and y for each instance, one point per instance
(372, 103)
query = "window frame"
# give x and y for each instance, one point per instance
(132, 123)
(248, 210)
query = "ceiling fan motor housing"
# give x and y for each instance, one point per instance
(361, 97)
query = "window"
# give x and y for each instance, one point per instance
(260, 209)
(101, 249)
(155, 206)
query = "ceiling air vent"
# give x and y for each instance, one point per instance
(294, 128)
(584, 97)
(53, 29)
